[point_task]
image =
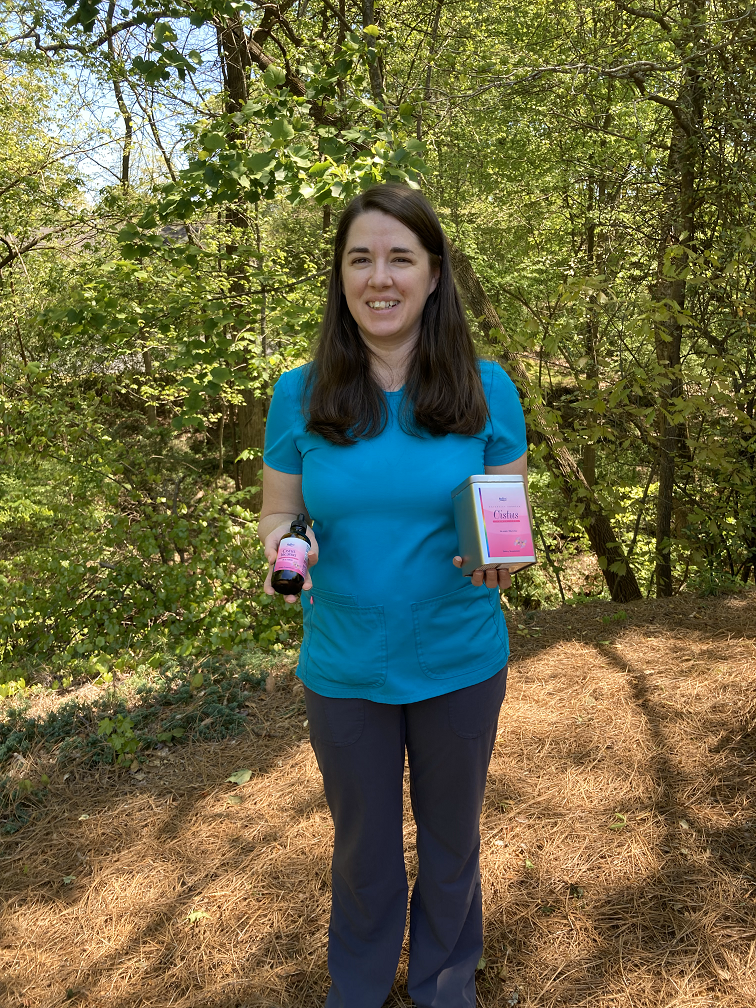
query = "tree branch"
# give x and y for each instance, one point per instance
(644, 12)
(543, 430)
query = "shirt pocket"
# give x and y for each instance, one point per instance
(459, 633)
(344, 644)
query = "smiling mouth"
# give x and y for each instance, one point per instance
(382, 304)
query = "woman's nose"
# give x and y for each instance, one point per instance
(381, 276)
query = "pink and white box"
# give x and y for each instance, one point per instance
(492, 517)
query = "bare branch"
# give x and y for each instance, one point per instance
(16, 253)
(675, 108)
(29, 33)
(644, 12)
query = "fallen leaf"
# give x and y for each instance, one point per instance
(68, 879)
(481, 963)
(240, 777)
(620, 821)
(82, 817)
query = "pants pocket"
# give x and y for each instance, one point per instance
(458, 633)
(334, 721)
(476, 708)
(344, 644)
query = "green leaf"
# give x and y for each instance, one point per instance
(281, 130)
(372, 29)
(214, 141)
(240, 777)
(259, 163)
(274, 77)
(164, 33)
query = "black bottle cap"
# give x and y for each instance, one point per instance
(299, 525)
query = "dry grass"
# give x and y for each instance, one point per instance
(647, 724)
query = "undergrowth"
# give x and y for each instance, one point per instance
(182, 701)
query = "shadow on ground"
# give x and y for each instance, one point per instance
(618, 840)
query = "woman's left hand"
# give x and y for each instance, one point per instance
(492, 578)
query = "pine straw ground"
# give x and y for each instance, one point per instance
(618, 840)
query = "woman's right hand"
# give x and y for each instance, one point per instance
(272, 542)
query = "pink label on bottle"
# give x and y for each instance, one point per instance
(292, 555)
(506, 521)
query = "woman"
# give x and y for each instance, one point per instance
(400, 651)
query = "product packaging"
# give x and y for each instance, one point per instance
(493, 523)
(290, 569)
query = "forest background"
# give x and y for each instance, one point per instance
(170, 176)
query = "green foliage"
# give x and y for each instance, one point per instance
(119, 733)
(138, 323)
(161, 709)
(19, 799)
(141, 563)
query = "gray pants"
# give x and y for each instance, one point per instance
(360, 748)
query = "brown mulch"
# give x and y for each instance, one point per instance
(618, 840)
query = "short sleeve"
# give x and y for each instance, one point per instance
(507, 440)
(281, 452)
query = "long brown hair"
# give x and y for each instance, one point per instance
(443, 393)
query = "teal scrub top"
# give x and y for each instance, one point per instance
(389, 617)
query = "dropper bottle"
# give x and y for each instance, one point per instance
(291, 562)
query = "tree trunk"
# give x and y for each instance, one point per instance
(588, 463)
(669, 289)
(375, 69)
(128, 122)
(617, 572)
(424, 105)
(149, 407)
(250, 417)
(250, 414)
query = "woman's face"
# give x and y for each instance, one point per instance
(387, 277)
